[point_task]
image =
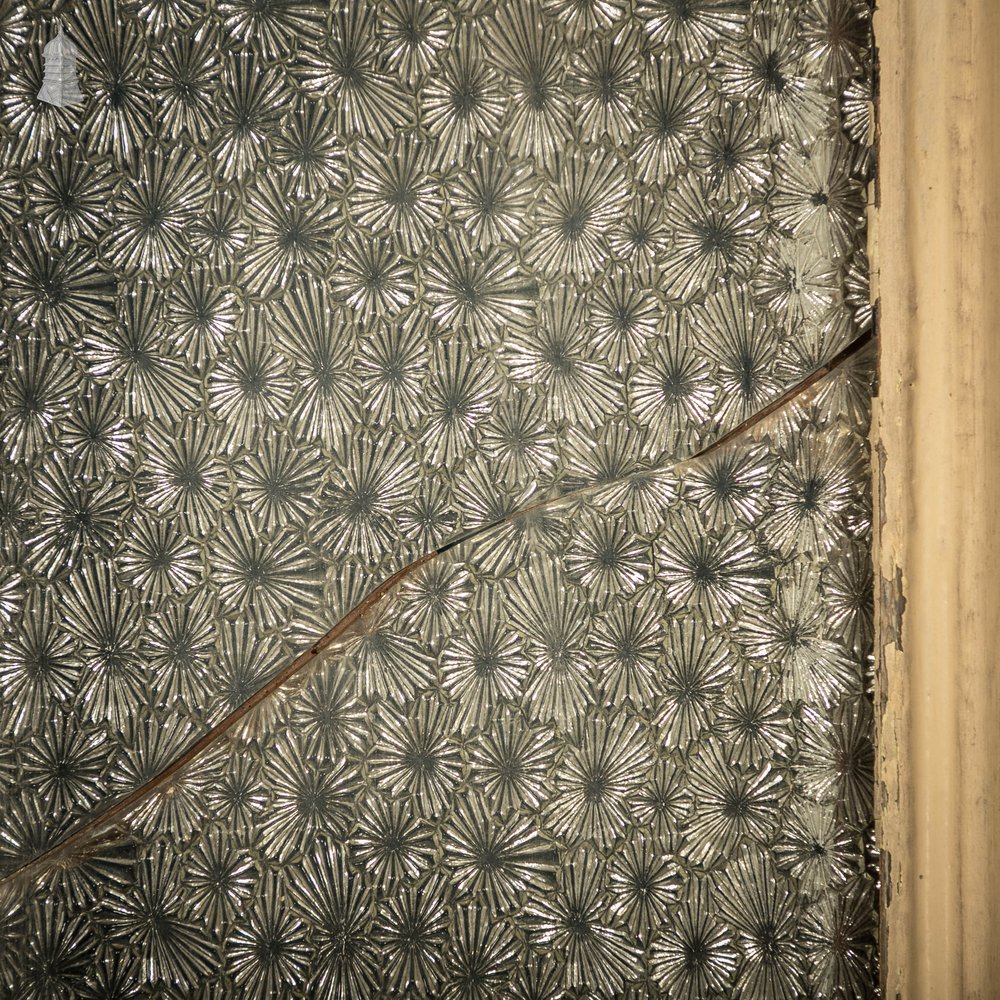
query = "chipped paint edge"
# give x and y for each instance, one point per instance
(936, 481)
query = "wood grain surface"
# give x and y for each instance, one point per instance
(936, 462)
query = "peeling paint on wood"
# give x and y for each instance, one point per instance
(936, 479)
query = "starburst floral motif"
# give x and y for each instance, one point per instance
(481, 292)
(465, 102)
(730, 805)
(221, 877)
(585, 15)
(555, 356)
(106, 624)
(793, 635)
(55, 957)
(415, 33)
(329, 719)
(732, 152)
(624, 318)
(604, 83)
(838, 935)
(728, 486)
(337, 906)
(694, 24)
(15, 32)
(296, 298)
(576, 920)
(526, 50)
(815, 849)
(575, 215)
(411, 930)
(795, 280)
(76, 516)
(36, 391)
(492, 197)
(608, 559)
(767, 67)
(811, 497)
(245, 660)
(761, 908)
(391, 843)
(151, 739)
(692, 682)
(184, 71)
(819, 199)
(112, 60)
(394, 192)
(835, 759)
(458, 400)
(279, 482)
(305, 147)
(626, 642)
(712, 572)
(305, 801)
(419, 760)
(598, 773)
(271, 28)
(639, 234)
(484, 666)
(358, 507)
(673, 106)
(744, 350)
(249, 388)
(753, 719)
(481, 956)
(511, 762)
(39, 667)
(847, 588)
(315, 337)
(642, 884)
(551, 616)
(694, 955)
(269, 951)
(712, 243)
(96, 436)
(290, 237)
(351, 67)
(185, 475)
(836, 37)
(391, 360)
(71, 194)
(265, 574)
(233, 790)
(249, 102)
(135, 356)
(200, 315)
(499, 861)
(152, 211)
(389, 662)
(373, 278)
(671, 389)
(220, 231)
(62, 290)
(66, 763)
(180, 641)
(435, 600)
(154, 918)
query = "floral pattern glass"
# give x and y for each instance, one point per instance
(433, 500)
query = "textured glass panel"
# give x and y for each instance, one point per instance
(295, 297)
(619, 741)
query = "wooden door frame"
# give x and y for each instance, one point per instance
(935, 249)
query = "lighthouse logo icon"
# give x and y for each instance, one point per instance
(59, 85)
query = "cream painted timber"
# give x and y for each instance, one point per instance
(936, 451)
